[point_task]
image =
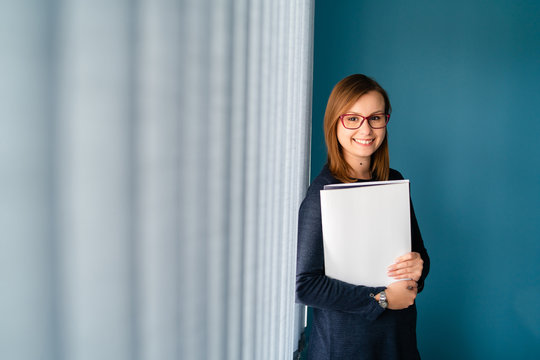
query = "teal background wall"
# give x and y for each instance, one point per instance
(463, 78)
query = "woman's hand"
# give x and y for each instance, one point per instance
(408, 266)
(401, 294)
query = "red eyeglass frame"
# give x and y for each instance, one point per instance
(364, 118)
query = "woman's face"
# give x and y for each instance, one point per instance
(358, 145)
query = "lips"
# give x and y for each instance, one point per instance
(363, 141)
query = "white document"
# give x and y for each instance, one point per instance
(366, 226)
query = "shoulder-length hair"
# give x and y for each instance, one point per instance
(344, 95)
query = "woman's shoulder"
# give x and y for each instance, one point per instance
(395, 175)
(325, 177)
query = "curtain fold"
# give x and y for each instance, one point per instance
(154, 156)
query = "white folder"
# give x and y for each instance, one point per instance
(366, 226)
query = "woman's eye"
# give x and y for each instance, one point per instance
(353, 118)
(375, 117)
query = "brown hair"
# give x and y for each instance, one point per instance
(344, 95)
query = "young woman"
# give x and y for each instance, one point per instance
(350, 321)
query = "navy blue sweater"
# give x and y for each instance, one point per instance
(347, 322)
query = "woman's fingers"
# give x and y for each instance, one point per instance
(407, 273)
(412, 275)
(407, 256)
(408, 260)
(408, 266)
(401, 265)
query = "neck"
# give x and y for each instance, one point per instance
(361, 169)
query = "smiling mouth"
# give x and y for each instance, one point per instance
(363, 142)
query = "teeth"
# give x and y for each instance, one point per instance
(364, 142)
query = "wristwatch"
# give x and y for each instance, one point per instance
(382, 300)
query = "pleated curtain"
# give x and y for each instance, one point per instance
(154, 154)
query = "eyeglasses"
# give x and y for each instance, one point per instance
(375, 121)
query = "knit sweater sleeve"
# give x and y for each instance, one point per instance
(313, 287)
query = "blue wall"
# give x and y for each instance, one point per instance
(463, 78)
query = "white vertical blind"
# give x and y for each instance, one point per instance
(154, 154)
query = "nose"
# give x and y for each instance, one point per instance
(364, 127)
